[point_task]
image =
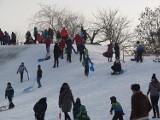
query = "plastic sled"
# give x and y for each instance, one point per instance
(92, 67)
(121, 72)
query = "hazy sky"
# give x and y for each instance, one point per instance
(15, 15)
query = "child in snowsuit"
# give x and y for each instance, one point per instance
(76, 108)
(82, 115)
(40, 108)
(86, 61)
(9, 93)
(118, 111)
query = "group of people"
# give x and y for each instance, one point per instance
(140, 104)
(66, 100)
(6, 39)
(21, 70)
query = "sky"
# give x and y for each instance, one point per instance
(16, 15)
(94, 91)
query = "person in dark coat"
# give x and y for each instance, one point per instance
(65, 100)
(39, 76)
(116, 106)
(154, 90)
(81, 50)
(116, 67)
(40, 108)
(21, 70)
(56, 52)
(76, 108)
(140, 104)
(13, 38)
(69, 49)
(117, 51)
(9, 93)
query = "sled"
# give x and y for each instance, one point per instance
(44, 59)
(121, 72)
(30, 87)
(3, 108)
(92, 67)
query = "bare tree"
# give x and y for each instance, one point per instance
(56, 18)
(112, 26)
(148, 29)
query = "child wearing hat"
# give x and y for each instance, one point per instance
(116, 107)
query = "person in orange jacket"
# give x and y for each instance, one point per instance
(64, 33)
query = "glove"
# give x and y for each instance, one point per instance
(111, 113)
(5, 97)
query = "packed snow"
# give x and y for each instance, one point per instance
(94, 91)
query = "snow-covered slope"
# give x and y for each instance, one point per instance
(94, 90)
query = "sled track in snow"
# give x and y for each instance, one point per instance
(9, 52)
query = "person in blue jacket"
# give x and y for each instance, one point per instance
(139, 52)
(116, 107)
(86, 61)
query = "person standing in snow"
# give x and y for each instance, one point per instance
(139, 110)
(47, 41)
(9, 93)
(117, 51)
(56, 52)
(154, 89)
(62, 47)
(117, 109)
(21, 70)
(65, 100)
(85, 63)
(139, 52)
(39, 76)
(40, 108)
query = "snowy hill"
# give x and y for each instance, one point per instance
(94, 90)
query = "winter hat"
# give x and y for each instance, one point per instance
(113, 99)
(154, 76)
(135, 87)
(9, 83)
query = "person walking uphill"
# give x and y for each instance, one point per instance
(39, 76)
(9, 93)
(140, 105)
(40, 108)
(154, 89)
(65, 100)
(21, 70)
(56, 52)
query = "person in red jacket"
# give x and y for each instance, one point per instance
(47, 42)
(78, 41)
(64, 33)
(1, 36)
(61, 46)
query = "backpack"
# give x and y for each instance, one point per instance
(85, 52)
(82, 115)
